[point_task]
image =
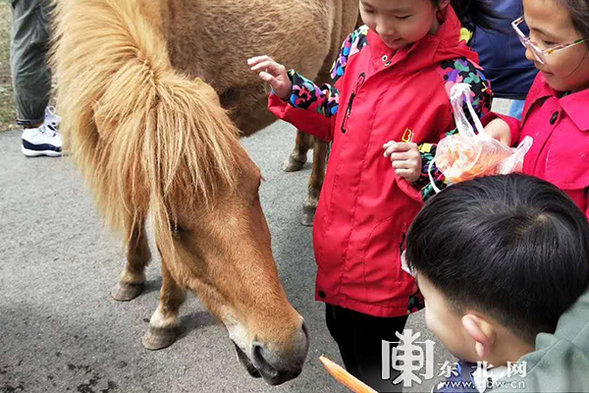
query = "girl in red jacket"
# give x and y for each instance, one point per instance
(555, 114)
(390, 85)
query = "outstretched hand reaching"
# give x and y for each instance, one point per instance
(272, 73)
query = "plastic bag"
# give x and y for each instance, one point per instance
(467, 154)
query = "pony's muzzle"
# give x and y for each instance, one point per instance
(277, 366)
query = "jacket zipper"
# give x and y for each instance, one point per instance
(359, 83)
(403, 238)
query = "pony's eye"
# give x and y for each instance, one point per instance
(178, 230)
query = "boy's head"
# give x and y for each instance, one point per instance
(498, 260)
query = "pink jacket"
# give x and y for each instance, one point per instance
(560, 128)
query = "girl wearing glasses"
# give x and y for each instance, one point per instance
(556, 113)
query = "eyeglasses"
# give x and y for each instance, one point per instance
(540, 54)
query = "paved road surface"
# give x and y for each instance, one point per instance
(60, 331)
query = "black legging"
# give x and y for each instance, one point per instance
(359, 337)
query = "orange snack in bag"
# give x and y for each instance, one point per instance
(471, 154)
(465, 158)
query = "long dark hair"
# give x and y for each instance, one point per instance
(479, 13)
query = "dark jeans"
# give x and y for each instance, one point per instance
(31, 76)
(359, 337)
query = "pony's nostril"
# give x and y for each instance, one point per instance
(265, 368)
(305, 330)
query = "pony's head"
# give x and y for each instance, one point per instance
(213, 235)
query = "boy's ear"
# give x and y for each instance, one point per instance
(443, 4)
(482, 332)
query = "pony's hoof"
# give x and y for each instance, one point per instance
(308, 215)
(293, 165)
(159, 338)
(123, 292)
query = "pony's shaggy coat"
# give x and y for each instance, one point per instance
(145, 136)
(154, 96)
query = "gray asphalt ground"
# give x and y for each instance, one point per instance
(61, 332)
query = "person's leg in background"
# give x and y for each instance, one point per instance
(31, 77)
(359, 338)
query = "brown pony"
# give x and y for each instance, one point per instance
(298, 157)
(152, 138)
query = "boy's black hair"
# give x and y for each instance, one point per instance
(480, 13)
(513, 247)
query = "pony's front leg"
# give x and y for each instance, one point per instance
(164, 324)
(132, 279)
(320, 156)
(298, 157)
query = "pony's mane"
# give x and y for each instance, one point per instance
(144, 136)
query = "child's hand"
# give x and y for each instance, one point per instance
(406, 159)
(499, 129)
(272, 73)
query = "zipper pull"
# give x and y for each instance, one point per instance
(403, 238)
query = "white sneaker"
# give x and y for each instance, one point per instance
(42, 141)
(51, 118)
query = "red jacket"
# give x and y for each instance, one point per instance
(365, 209)
(560, 128)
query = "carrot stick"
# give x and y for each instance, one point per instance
(345, 378)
